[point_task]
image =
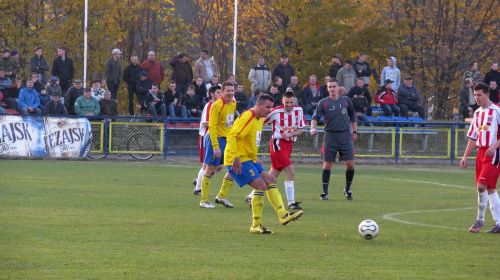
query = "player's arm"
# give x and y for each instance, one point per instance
(237, 131)
(352, 116)
(317, 116)
(215, 110)
(471, 144)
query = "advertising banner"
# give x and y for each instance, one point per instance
(37, 136)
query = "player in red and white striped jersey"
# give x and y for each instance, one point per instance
(484, 134)
(214, 93)
(287, 123)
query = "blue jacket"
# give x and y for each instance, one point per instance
(407, 95)
(28, 98)
(44, 99)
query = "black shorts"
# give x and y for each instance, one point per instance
(340, 142)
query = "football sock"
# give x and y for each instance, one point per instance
(226, 186)
(482, 202)
(205, 187)
(251, 194)
(289, 192)
(349, 175)
(495, 207)
(325, 176)
(274, 196)
(257, 207)
(198, 181)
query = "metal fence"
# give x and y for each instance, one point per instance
(385, 140)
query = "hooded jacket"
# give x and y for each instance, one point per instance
(386, 96)
(392, 73)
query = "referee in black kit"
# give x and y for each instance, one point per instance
(339, 114)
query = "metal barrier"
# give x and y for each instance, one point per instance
(176, 136)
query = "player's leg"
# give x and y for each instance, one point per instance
(349, 176)
(488, 180)
(325, 178)
(328, 153)
(289, 188)
(221, 198)
(257, 201)
(346, 152)
(206, 182)
(197, 185)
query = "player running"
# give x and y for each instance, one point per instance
(241, 162)
(219, 125)
(214, 93)
(287, 123)
(483, 134)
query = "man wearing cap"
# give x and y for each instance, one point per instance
(55, 107)
(29, 100)
(336, 66)
(346, 77)
(113, 72)
(386, 97)
(285, 71)
(87, 105)
(131, 76)
(154, 69)
(10, 65)
(408, 98)
(73, 93)
(63, 68)
(143, 86)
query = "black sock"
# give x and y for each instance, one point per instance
(326, 180)
(349, 175)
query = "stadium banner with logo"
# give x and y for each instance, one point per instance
(37, 136)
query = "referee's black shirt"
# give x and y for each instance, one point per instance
(338, 114)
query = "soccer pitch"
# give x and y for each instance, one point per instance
(64, 219)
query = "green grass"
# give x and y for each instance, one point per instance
(139, 220)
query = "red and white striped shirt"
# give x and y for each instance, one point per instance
(204, 119)
(485, 125)
(282, 121)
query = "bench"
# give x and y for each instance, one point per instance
(373, 131)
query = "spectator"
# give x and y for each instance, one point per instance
(391, 72)
(467, 102)
(2, 110)
(143, 86)
(205, 67)
(201, 91)
(113, 72)
(38, 65)
(277, 81)
(311, 95)
(131, 77)
(16, 87)
(364, 90)
(285, 71)
(55, 106)
(337, 64)
(87, 105)
(361, 108)
(63, 68)
(154, 102)
(154, 69)
(386, 97)
(73, 93)
(15, 55)
(192, 102)
(323, 89)
(296, 88)
(108, 106)
(408, 98)
(29, 100)
(44, 98)
(242, 101)
(260, 75)
(473, 74)
(7, 90)
(276, 95)
(493, 75)
(174, 102)
(346, 77)
(213, 82)
(10, 65)
(362, 69)
(182, 72)
(97, 91)
(342, 91)
(253, 99)
(232, 80)
(53, 86)
(36, 82)
(494, 92)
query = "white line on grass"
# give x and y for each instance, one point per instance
(390, 217)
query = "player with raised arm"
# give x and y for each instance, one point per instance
(219, 125)
(483, 134)
(339, 115)
(287, 123)
(241, 162)
(214, 93)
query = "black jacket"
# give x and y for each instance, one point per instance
(360, 104)
(131, 74)
(492, 76)
(191, 102)
(285, 73)
(150, 99)
(354, 91)
(69, 99)
(142, 89)
(183, 72)
(53, 109)
(65, 70)
(201, 91)
(334, 69)
(241, 101)
(170, 97)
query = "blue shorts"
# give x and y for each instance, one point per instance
(209, 151)
(249, 171)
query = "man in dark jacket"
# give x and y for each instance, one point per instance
(311, 96)
(174, 102)
(109, 106)
(493, 75)
(201, 91)
(182, 72)
(113, 72)
(143, 86)
(73, 93)
(494, 92)
(337, 64)
(408, 98)
(362, 69)
(38, 65)
(131, 76)
(63, 68)
(242, 101)
(55, 106)
(192, 102)
(276, 94)
(467, 102)
(155, 103)
(285, 71)
(359, 88)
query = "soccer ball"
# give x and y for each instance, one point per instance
(368, 229)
